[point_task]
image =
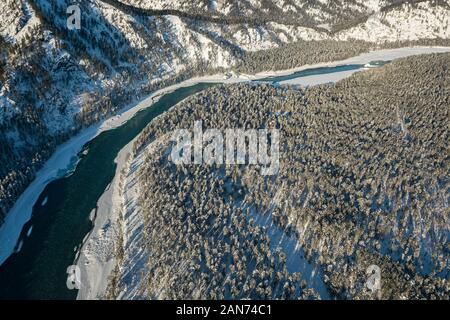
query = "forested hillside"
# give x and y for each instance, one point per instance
(363, 180)
(325, 15)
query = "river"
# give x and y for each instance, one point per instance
(60, 218)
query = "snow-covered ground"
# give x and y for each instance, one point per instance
(403, 23)
(117, 215)
(95, 273)
(296, 260)
(383, 55)
(97, 257)
(320, 79)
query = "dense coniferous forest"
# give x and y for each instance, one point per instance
(363, 180)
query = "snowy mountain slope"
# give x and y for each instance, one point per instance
(323, 14)
(406, 22)
(375, 21)
(54, 81)
(15, 17)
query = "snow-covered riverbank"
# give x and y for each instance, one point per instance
(118, 221)
(383, 55)
(66, 155)
(365, 58)
(96, 258)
